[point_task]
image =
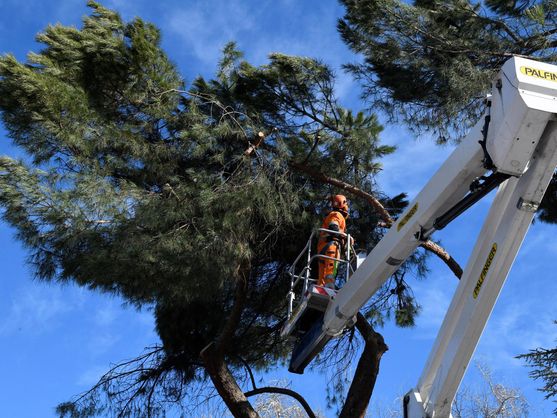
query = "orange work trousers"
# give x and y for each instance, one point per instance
(328, 268)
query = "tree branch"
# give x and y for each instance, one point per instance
(382, 212)
(225, 383)
(283, 391)
(365, 376)
(237, 308)
(315, 143)
(253, 147)
(444, 256)
(250, 372)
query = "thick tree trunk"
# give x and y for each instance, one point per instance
(213, 355)
(225, 384)
(366, 373)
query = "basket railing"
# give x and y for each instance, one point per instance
(301, 278)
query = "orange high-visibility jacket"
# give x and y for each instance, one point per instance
(332, 219)
(329, 245)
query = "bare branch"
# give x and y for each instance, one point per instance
(250, 372)
(283, 391)
(443, 255)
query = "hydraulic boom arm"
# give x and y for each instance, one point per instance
(516, 142)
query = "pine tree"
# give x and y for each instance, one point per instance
(543, 362)
(187, 200)
(430, 62)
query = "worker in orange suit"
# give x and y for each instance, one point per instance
(331, 245)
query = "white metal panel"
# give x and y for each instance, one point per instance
(448, 186)
(413, 405)
(522, 103)
(483, 278)
(511, 119)
(539, 79)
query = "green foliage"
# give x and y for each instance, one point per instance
(548, 206)
(543, 362)
(136, 186)
(430, 61)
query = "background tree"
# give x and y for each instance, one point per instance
(273, 405)
(544, 364)
(187, 200)
(491, 399)
(488, 398)
(430, 62)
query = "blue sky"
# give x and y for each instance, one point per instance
(56, 341)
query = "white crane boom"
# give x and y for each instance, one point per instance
(517, 142)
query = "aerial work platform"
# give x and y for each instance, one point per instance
(307, 301)
(513, 149)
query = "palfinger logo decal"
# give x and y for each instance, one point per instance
(407, 217)
(483, 274)
(542, 74)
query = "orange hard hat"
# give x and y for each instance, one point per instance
(340, 203)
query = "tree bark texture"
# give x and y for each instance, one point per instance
(363, 383)
(213, 356)
(225, 384)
